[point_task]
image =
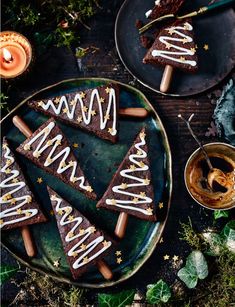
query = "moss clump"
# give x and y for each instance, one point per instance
(189, 235)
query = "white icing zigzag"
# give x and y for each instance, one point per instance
(80, 248)
(137, 166)
(180, 51)
(13, 185)
(86, 113)
(64, 153)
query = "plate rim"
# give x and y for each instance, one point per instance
(169, 177)
(145, 84)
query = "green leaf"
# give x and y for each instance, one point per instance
(196, 267)
(216, 243)
(159, 292)
(197, 261)
(220, 213)
(228, 233)
(6, 272)
(120, 299)
(188, 276)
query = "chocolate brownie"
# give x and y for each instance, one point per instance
(94, 110)
(83, 244)
(18, 206)
(131, 190)
(48, 148)
(174, 46)
(164, 7)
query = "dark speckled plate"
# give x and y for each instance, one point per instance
(217, 30)
(99, 160)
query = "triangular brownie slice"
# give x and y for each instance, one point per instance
(48, 148)
(18, 206)
(131, 190)
(164, 7)
(94, 110)
(83, 244)
(174, 46)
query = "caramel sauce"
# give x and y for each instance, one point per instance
(221, 194)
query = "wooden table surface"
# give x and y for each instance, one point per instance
(60, 64)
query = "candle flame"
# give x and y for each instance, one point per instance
(7, 55)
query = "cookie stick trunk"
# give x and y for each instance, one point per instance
(104, 269)
(121, 225)
(133, 112)
(166, 79)
(25, 231)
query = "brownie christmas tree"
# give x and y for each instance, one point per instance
(174, 46)
(84, 245)
(95, 110)
(17, 204)
(48, 148)
(164, 7)
(131, 190)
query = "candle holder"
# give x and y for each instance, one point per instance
(15, 54)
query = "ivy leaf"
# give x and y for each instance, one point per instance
(228, 233)
(216, 243)
(120, 299)
(196, 267)
(220, 213)
(6, 272)
(188, 276)
(159, 292)
(197, 261)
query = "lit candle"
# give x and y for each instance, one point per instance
(15, 54)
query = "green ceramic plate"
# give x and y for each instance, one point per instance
(99, 160)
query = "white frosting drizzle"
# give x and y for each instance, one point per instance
(180, 51)
(137, 182)
(64, 153)
(148, 13)
(67, 210)
(14, 187)
(86, 116)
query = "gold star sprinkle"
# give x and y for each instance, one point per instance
(196, 46)
(81, 231)
(36, 154)
(107, 117)
(71, 218)
(83, 247)
(89, 189)
(184, 40)
(4, 198)
(8, 162)
(119, 260)
(8, 196)
(62, 164)
(84, 109)
(51, 212)
(68, 209)
(85, 260)
(53, 197)
(132, 167)
(168, 46)
(8, 171)
(1, 222)
(135, 200)
(13, 201)
(118, 253)
(60, 212)
(4, 146)
(26, 147)
(49, 160)
(171, 31)
(160, 205)
(29, 199)
(93, 112)
(19, 211)
(82, 95)
(75, 145)
(28, 214)
(72, 102)
(182, 59)
(175, 258)
(56, 263)
(123, 186)
(65, 110)
(71, 163)
(110, 130)
(105, 243)
(58, 142)
(146, 181)
(74, 254)
(92, 229)
(141, 164)
(166, 257)
(79, 119)
(102, 100)
(107, 90)
(206, 47)
(49, 143)
(113, 202)
(150, 211)
(193, 50)
(40, 104)
(161, 240)
(74, 179)
(139, 152)
(57, 100)
(142, 194)
(15, 180)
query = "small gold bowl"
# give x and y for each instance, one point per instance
(222, 156)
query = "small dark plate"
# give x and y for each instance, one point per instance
(217, 30)
(99, 159)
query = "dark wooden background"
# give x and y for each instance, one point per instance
(59, 64)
